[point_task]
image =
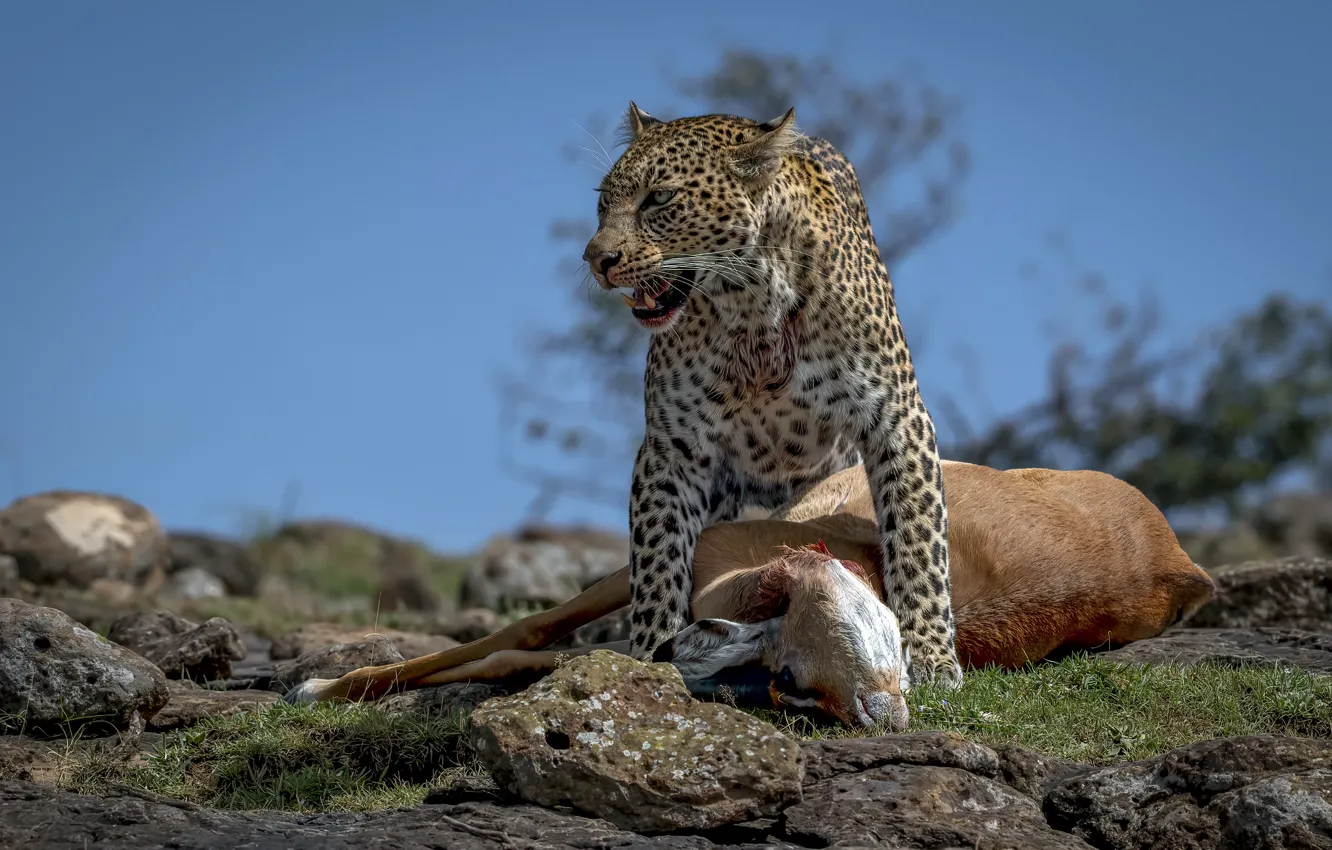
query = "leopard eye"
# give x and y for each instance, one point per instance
(658, 198)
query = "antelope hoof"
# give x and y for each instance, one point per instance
(307, 692)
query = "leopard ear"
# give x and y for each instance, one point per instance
(786, 118)
(637, 120)
(760, 159)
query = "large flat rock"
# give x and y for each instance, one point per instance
(1288, 593)
(39, 817)
(1256, 792)
(1232, 648)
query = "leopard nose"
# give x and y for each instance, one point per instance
(603, 260)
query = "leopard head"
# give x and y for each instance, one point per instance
(679, 203)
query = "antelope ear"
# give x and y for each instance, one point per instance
(759, 160)
(706, 647)
(637, 120)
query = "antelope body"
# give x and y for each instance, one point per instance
(1042, 562)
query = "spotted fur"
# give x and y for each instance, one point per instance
(777, 358)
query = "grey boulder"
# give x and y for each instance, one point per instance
(55, 673)
(1254, 792)
(180, 648)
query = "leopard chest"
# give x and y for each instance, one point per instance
(774, 424)
(757, 401)
(777, 437)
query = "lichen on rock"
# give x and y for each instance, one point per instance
(623, 740)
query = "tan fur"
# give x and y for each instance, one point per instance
(1042, 560)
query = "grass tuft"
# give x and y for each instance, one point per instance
(1098, 712)
(325, 757)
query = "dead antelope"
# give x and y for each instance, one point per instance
(787, 610)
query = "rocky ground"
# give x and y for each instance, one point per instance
(140, 674)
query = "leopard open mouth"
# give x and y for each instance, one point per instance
(656, 302)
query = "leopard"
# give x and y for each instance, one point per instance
(775, 358)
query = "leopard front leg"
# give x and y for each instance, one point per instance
(902, 463)
(667, 503)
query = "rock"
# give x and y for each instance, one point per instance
(229, 561)
(1231, 648)
(113, 593)
(467, 788)
(74, 538)
(330, 662)
(95, 607)
(1031, 772)
(622, 740)
(471, 624)
(542, 566)
(828, 759)
(1024, 770)
(40, 817)
(1292, 593)
(190, 704)
(352, 556)
(194, 583)
(1296, 523)
(320, 635)
(58, 673)
(1235, 543)
(34, 759)
(54, 760)
(458, 699)
(256, 665)
(1255, 792)
(607, 629)
(404, 586)
(912, 806)
(407, 592)
(180, 648)
(574, 538)
(9, 576)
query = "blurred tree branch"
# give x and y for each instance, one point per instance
(1202, 425)
(1196, 426)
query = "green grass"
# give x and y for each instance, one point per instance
(1097, 712)
(333, 757)
(325, 757)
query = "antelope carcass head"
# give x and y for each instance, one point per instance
(812, 622)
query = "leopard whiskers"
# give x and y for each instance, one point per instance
(604, 159)
(736, 259)
(723, 266)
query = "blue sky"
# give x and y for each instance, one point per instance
(249, 244)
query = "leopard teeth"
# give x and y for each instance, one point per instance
(631, 302)
(649, 301)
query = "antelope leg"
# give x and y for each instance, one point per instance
(530, 633)
(512, 663)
